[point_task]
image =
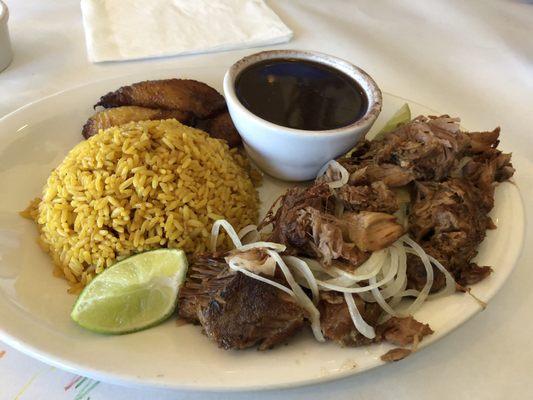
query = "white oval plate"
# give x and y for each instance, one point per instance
(35, 308)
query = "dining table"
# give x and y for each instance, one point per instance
(472, 59)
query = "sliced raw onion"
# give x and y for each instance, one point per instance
(345, 175)
(401, 277)
(306, 272)
(410, 293)
(366, 270)
(264, 245)
(450, 287)
(358, 321)
(422, 296)
(233, 265)
(266, 266)
(301, 297)
(378, 295)
(389, 277)
(385, 270)
(397, 297)
(317, 267)
(230, 231)
(247, 230)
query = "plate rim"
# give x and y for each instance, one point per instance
(142, 382)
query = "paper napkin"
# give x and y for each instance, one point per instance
(118, 30)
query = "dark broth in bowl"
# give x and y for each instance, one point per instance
(301, 94)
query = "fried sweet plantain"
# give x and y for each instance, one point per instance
(221, 127)
(196, 98)
(122, 115)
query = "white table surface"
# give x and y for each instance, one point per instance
(468, 58)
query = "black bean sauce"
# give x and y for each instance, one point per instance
(301, 94)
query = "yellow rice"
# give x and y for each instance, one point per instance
(137, 187)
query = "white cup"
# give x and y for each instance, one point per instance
(294, 154)
(6, 53)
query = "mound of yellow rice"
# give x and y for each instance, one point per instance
(137, 187)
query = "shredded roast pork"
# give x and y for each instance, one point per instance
(373, 197)
(238, 312)
(446, 219)
(403, 331)
(450, 175)
(306, 224)
(337, 324)
(427, 148)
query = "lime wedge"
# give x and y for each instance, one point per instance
(400, 117)
(135, 293)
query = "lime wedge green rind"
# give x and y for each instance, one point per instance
(400, 117)
(134, 294)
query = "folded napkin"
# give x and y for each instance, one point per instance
(132, 29)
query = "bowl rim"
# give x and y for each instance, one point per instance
(372, 91)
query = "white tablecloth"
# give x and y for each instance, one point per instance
(467, 58)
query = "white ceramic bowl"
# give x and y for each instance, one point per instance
(6, 54)
(294, 154)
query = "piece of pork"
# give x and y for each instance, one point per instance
(482, 142)
(237, 311)
(430, 149)
(329, 238)
(402, 331)
(390, 175)
(353, 236)
(336, 323)
(373, 197)
(338, 326)
(454, 175)
(427, 148)
(371, 231)
(290, 225)
(305, 223)
(446, 219)
(486, 165)
(396, 354)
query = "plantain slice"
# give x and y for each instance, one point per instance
(221, 127)
(186, 95)
(122, 115)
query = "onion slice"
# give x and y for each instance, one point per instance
(385, 271)
(233, 265)
(450, 281)
(360, 324)
(215, 230)
(301, 297)
(368, 269)
(247, 230)
(263, 245)
(401, 277)
(422, 296)
(306, 272)
(345, 175)
(378, 295)
(390, 276)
